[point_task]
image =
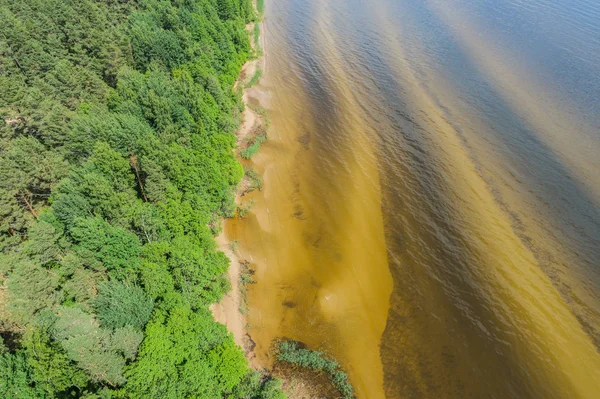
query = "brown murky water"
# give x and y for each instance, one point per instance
(431, 210)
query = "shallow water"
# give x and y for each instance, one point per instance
(431, 210)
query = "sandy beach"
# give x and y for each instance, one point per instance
(229, 310)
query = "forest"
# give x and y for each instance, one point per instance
(117, 130)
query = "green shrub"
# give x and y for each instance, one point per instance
(257, 385)
(291, 352)
(254, 147)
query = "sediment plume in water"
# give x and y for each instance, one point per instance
(425, 218)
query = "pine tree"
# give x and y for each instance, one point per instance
(118, 305)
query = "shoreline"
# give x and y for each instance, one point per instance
(228, 311)
(233, 311)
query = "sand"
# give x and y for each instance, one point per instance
(228, 310)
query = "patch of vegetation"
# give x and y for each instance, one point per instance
(255, 78)
(246, 278)
(262, 113)
(260, 7)
(294, 353)
(258, 385)
(256, 33)
(244, 209)
(233, 246)
(258, 51)
(255, 181)
(253, 146)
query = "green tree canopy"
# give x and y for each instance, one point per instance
(118, 305)
(117, 121)
(185, 354)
